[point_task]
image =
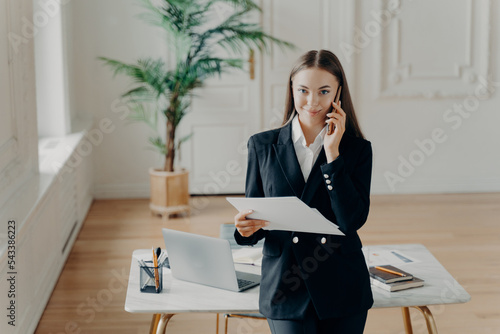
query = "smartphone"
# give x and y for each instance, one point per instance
(329, 128)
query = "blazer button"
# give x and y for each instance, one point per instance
(328, 182)
(295, 240)
(326, 176)
(330, 187)
(323, 240)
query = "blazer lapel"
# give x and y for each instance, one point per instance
(315, 178)
(287, 159)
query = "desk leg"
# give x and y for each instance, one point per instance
(162, 324)
(429, 319)
(154, 323)
(407, 320)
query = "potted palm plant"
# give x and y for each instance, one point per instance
(162, 93)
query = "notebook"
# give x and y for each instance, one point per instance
(205, 260)
(386, 277)
(397, 286)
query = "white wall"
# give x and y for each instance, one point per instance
(109, 29)
(467, 161)
(51, 72)
(469, 158)
(41, 209)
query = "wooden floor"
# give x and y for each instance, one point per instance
(461, 230)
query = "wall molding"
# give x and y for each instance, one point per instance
(19, 155)
(399, 78)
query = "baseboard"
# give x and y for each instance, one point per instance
(131, 190)
(138, 190)
(437, 187)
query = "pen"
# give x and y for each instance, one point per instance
(146, 269)
(161, 259)
(146, 284)
(157, 274)
(390, 271)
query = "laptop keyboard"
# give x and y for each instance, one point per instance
(243, 283)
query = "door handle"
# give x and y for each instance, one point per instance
(251, 61)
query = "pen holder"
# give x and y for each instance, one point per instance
(147, 282)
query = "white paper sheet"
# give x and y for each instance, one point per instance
(386, 257)
(248, 255)
(286, 214)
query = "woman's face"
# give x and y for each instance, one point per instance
(313, 90)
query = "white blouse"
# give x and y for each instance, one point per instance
(306, 155)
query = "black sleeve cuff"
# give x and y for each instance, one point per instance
(248, 241)
(331, 170)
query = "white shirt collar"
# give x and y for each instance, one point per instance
(298, 134)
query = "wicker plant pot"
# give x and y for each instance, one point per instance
(169, 192)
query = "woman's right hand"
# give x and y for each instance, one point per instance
(247, 227)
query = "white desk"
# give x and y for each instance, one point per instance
(180, 297)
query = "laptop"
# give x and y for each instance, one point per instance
(205, 260)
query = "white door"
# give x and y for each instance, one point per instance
(230, 109)
(224, 113)
(310, 25)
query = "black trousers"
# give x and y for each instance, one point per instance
(311, 324)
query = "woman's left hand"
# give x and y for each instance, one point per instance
(331, 142)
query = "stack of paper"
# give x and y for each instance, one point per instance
(286, 214)
(248, 255)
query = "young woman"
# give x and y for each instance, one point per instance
(313, 283)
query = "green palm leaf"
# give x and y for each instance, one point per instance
(195, 41)
(159, 144)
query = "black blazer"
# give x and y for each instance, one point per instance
(300, 267)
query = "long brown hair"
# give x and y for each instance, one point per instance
(325, 60)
